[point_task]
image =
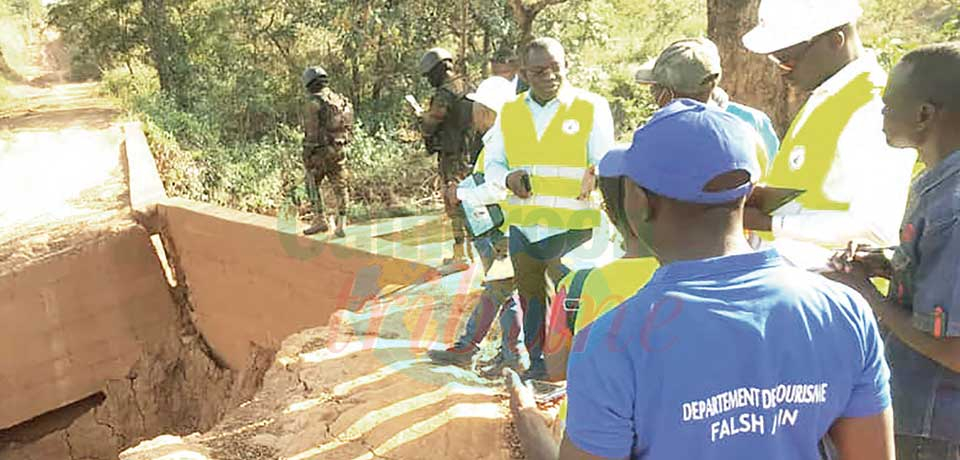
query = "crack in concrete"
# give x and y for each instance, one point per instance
(66, 441)
(136, 404)
(105, 423)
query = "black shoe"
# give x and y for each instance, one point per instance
(537, 371)
(319, 226)
(457, 356)
(493, 369)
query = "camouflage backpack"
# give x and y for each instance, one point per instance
(337, 117)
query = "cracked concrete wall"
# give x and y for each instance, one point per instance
(252, 283)
(77, 319)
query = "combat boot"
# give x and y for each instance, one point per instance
(341, 222)
(460, 356)
(319, 225)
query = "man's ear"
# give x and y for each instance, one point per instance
(926, 114)
(637, 207)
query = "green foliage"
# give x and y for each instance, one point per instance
(217, 82)
(389, 176)
(893, 27)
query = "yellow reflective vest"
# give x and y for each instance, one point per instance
(556, 163)
(808, 152)
(604, 289)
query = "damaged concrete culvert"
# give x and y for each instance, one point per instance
(149, 328)
(174, 386)
(97, 351)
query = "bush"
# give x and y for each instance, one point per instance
(388, 173)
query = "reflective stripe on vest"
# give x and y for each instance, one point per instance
(808, 152)
(556, 163)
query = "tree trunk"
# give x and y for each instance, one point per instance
(464, 35)
(749, 78)
(525, 14)
(165, 50)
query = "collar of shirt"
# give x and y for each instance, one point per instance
(687, 270)
(867, 62)
(565, 96)
(949, 167)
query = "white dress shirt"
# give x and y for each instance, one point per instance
(598, 144)
(867, 173)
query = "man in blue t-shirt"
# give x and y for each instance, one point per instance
(726, 353)
(690, 68)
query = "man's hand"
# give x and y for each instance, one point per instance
(515, 184)
(521, 396)
(850, 271)
(588, 184)
(450, 194)
(533, 425)
(862, 258)
(755, 219)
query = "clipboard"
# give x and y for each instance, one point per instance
(769, 199)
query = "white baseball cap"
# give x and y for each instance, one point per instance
(784, 23)
(494, 92)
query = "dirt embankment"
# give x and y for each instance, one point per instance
(362, 388)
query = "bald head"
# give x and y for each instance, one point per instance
(548, 45)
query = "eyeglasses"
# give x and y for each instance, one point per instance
(543, 71)
(796, 52)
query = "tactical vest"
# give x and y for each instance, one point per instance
(335, 117)
(455, 133)
(808, 152)
(556, 163)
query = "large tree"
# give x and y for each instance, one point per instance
(749, 78)
(525, 12)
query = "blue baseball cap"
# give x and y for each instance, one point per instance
(684, 146)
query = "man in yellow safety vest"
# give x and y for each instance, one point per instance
(543, 148)
(856, 185)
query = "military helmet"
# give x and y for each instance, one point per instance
(312, 73)
(433, 57)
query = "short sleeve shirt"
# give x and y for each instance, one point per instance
(927, 282)
(760, 122)
(733, 357)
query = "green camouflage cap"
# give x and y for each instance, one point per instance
(686, 66)
(431, 58)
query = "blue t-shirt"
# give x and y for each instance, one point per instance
(761, 122)
(727, 358)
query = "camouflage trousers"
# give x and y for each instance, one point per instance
(453, 169)
(325, 163)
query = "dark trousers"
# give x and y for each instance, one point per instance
(916, 448)
(530, 264)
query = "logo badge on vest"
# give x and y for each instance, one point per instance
(797, 156)
(571, 126)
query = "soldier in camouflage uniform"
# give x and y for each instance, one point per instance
(327, 129)
(447, 132)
